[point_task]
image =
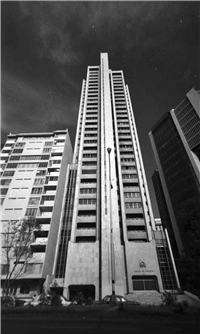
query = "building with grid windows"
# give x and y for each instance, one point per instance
(175, 140)
(33, 175)
(107, 238)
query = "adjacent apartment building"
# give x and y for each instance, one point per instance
(175, 140)
(33, 175)
(107, 242)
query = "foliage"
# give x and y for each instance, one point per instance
(180, 307)
(55, 299)
(89, 301)
(79, 298)
(169, 298)
(50, 298)
(8, 301)
(17, 236)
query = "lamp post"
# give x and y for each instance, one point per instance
(113, 298)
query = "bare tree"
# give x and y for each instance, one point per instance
(17, 237)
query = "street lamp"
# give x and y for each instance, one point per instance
(113, 298)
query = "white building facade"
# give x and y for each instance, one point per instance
(33, 175)
(106, 242)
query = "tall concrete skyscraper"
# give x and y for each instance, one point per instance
(107, 241)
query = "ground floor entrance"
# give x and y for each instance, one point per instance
(88, 291)
(141, 283)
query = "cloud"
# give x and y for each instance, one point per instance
(47, 23)
(60, 27)
(30, 108)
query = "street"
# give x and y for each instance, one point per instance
(86, 326)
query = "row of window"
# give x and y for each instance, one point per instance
(128, 168)
(90, 155)
(90, 141)
(89, 163)
(91, 129)
(29, 157)
(27, 165)
(133, 205)
(22, 144)
(125, 146)
(87, 190)
(31, 212)
(127, 160)
(129, 176)
(89, 148)
(132, 194)
(87, 201)
(89, 171)
(3, 191)
(2, 200)
(90, 135)
(18, 150)
(34, 201)
(54, 162)
(5, 182)
(39, 181)
(36, 191)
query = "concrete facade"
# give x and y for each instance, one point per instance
(33, 176)
(111, 241)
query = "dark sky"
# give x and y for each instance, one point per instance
(46, 47)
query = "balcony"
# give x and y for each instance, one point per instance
(51, 183)
(127, 163)
(45, 227)
(133, 199)
(91, 120)
(126, 149)
(41, 233)
(134, 210)
(86, 207)
(47, 204)
(88, 175)
(53, 174)
(125, 141)
(5, 155)
(49, 193)
(44, 215)
(90, 232)
(92, 195)
(39, 245)
(88, 145)
(38, 248)
(42, 219)
(89, 159)
(134, 235)
(127, 181)
(127, 155)
(135, 222)
(87, 219)
(40, 241)
(57, 151)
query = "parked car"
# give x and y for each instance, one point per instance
(120, 299)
